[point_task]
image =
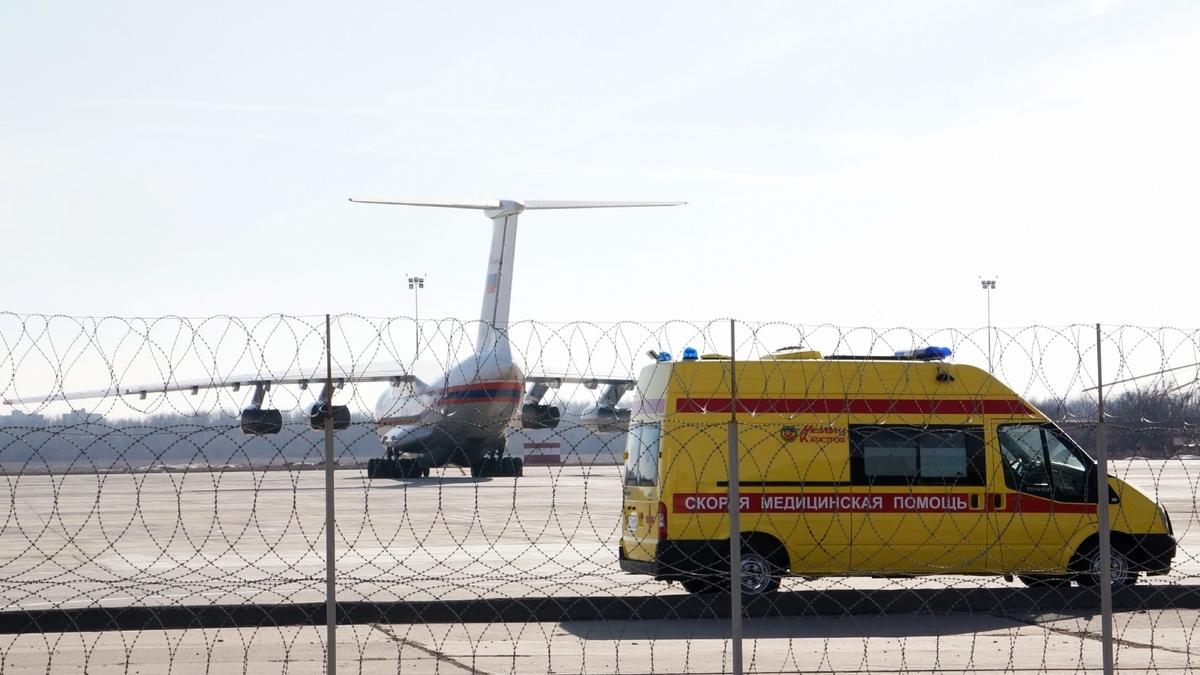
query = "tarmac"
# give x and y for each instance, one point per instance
(226, 541)
(1159, 642)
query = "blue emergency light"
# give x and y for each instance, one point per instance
(663, 357)
(924, 353)
(690, 354)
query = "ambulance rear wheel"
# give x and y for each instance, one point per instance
(760, 575)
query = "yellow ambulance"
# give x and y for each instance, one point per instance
(865, 466)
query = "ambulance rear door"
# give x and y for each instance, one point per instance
(639, 529)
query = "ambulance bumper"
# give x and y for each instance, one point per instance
(1153, 553)
(677, 560)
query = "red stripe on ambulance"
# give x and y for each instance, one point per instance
(856, 406)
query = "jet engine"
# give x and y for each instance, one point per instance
(606, 420)
(318, 412)
(259, 422)
(537, 416)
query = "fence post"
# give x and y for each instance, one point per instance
(1105, 552)
(330, 549)
(735, 519)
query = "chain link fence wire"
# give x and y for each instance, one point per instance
(903, 536)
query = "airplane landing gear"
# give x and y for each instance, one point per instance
(388, 467)
(492, 466)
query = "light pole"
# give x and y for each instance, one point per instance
(415, 284)
(989, 285)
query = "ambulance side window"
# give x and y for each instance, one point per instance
(641, 446)
(903, 455)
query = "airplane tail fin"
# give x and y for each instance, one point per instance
(498, 283)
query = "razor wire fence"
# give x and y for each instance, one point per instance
(147, 526)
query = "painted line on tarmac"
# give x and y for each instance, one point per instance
(1044, 621)
(442, 658)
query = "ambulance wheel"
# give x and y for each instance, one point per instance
(701, 585)
(760, 572)
(1086, 564)
(1034, 581)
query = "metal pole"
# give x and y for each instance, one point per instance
(989, 310)
(330, 549)
(735, 513)
(988, 285)
(416, 284)
(1106, 637)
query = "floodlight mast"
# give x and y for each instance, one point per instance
(989, 285)
(415, 284)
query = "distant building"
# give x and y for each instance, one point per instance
(79, 417)
(20, 419)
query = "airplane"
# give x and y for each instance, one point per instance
(459, 420)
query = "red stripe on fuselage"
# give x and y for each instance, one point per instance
(476, 392)
(858, 406)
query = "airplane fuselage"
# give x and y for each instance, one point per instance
(455, 420)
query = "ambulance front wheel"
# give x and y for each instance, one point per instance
(1086, 564)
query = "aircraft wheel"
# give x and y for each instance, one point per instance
(425, 472)
(507, 469)
(491, 467)
(518, 467)
(407, 468)
(373, 468)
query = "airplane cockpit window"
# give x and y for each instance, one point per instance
(641, 449)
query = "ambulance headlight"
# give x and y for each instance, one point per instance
(663, 357)
(690, 354)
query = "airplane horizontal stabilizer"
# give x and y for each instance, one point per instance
(492, 204)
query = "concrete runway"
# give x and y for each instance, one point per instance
(200, 538)
(1159, 642)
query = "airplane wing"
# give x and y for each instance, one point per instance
(604, 417)
(376, 372)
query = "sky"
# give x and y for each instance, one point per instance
(855, 164)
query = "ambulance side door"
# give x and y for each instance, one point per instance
(1039, 505)
(919, 499)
